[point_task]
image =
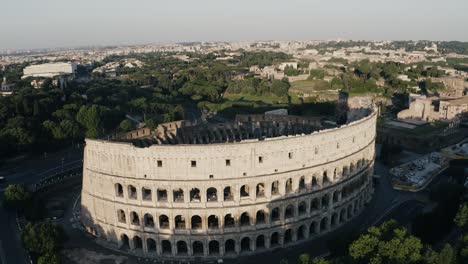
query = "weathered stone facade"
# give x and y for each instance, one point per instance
(226, 199)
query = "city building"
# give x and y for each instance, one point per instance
(49, 70)
(259, 183)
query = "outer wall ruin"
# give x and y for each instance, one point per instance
(221, 200)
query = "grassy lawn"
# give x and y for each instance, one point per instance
(309, 86)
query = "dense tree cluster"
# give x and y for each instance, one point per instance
(43, 239)
(257, 86)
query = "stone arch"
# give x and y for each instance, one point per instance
(325, 201)
(274, 239)
(302, 184)
(229, 221)
(213, 222)
(287, 236)
(260, 217)
(275, 188)
(343, 215)
(178, 195)
(195, 195)
(162, 195)
(163, 222)
(260, 190)
(227, 193)
(196, 222)
(137, 242)
(244, 191)
(245, 244)
(289, 211)
(197, 248)
(230, 246)
(313, 228)
(134, 218)
(149, 220)
(288, 186)
(323, 224)
(301, 232)
(132, 192)
(146, 194)
(213, 247)
(121, 216)
(245, 219)
(275, 214)
(336, 196)
(179, 222)
(314, 181)
(345, 172)
(166, 247)
(125, 242)
(302, 208)
(151, 245)
(181, 248)
(334, 219)
(212, 195)
(119, 192)
(325, 179)
(314, 204)
(260, 242)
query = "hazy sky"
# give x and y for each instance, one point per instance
(64, 23)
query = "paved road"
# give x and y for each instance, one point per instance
(28, 172)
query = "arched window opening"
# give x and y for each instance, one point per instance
(325, 180)
(343, 215)
(137, 242)
(260, 242)
(288, 186)
(275, 214)
(302, 185)
(229, 221)
(302, 208)
(334, 220)
(245, 219)
(287, 236)
(324, 224)
(196, 222)
(228, 196)
(179, 222)
(134, 219)
(244, 191)
(162, 195)
(314, 205)
(289, 211)
(125, 244)
(166, 247)
(301, 232)
(213, 222)
(345, 171)
(197, 248)
(121, 216)
(313, 228)
(181, 248)
(325, 201)
(178, 195)
(132, 192)
(275, 188)
(260, 217)
(195, 195)
(274, 240)
(211, 195)
(151, 244)
(260, 192)
(163, 222)
(336, 196)
(245, 244)
(351, 168)
(314, 181)
(230, 246)
(146, 193)
(119, 190)
(149, 221)
(213, 247)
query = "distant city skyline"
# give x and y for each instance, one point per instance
(29, 24)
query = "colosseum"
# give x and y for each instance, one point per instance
(261, 182)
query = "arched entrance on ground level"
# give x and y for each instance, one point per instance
(245, 244)
(245, 219)
(274, 240)
(213, 247)
(197, 248)
(287, 236)
(137, 242)
(230, 246)
(196, 222)
(302, 208)
(125, 242)
(323, 225)
(313, 228)
(301, 232)
(166, 247)
(260, 242)
(181, 248)
(343, 215)
(151, 244)
(334, 220)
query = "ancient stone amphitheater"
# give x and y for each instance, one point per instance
(259, 183)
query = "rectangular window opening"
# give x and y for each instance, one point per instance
(160, 163)
(194, 163)
(228, 162)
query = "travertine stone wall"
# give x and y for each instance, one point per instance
(227, 199)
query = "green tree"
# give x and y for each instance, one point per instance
(304, 259)
(16, 196)
(320, 261)
(461, 219)
(126, 125)
(42, 238)
(48, 258)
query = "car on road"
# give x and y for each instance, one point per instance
(2, 179)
